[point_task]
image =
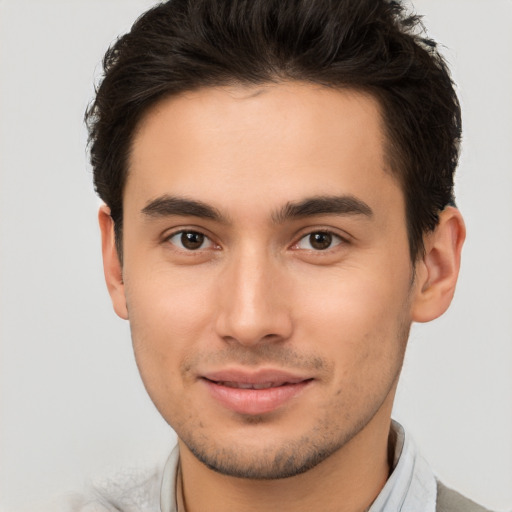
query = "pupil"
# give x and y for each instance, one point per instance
(320, 241)
(192, 240)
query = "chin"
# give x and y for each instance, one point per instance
(261, 455)
(285, 462)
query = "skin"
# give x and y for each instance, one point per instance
(258, 292)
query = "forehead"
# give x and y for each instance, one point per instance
(269, 143)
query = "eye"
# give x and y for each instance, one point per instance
(319, 241)
(190, 240)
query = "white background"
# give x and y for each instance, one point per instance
(71, 400)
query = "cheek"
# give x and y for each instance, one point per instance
(168, 303)
(359, 319)
(169, 313)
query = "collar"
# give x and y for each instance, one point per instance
(169, 482)
(412, 484)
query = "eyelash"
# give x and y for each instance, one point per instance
(183, 232)
(332, 237)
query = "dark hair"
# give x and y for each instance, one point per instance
(368, 45)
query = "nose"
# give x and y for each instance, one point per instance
(254, 306)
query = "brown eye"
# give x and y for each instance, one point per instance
(190, 240)
(319, 241)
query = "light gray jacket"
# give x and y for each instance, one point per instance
(449, 500)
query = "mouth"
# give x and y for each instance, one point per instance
(255, 393)
(258, 385)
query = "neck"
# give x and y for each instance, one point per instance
(347, 481)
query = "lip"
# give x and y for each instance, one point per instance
(254, 393)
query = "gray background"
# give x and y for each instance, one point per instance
(72, 404)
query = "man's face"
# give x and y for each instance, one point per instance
(266, 273)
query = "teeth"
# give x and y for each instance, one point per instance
(264, 385)
(242, 385)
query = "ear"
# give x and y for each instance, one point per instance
(437, 272)
(111, 264)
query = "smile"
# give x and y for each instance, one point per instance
(254, 394)
(243, 385)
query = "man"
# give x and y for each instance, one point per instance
(278, 187)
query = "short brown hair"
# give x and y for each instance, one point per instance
(370, 45)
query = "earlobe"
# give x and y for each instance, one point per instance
(111, 265)
(437, 271)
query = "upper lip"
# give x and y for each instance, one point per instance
(261, 376)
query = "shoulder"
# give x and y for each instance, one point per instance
(449, 500)
(129, 490)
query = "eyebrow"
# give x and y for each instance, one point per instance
(323, 205)
(166, 206)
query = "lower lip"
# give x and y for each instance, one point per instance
(255, 401)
